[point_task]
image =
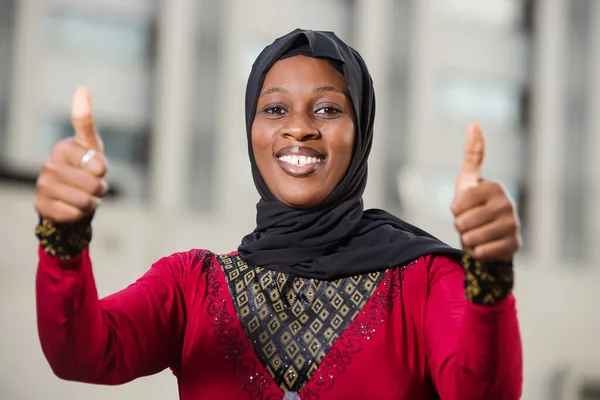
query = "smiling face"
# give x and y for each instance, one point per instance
(303, 130)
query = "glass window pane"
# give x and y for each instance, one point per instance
(493, 14)
(6, 37)
(573, 244)
(100, 35)
(470, 96)
(206, 80)
(398, 79)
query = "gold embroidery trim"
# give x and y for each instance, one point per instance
(63, 241)
(486, 283)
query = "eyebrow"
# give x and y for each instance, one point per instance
(329, 89)
(274, 90)
(320, 89)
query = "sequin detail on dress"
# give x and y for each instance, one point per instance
(360, 331)
(235, 349)
(292, 322)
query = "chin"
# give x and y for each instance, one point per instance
(299, 193)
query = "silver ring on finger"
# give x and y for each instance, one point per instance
(87, 157)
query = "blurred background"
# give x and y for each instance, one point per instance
(168, 79)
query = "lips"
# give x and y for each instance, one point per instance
(299, 161)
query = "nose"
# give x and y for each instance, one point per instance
(301, 127)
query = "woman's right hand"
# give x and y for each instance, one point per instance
(69, 188)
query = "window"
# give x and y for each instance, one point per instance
(573, 245)
(497, 14)
(116, 37)
(465, 96)
(398, 78)
(206, 80)
(6, 38)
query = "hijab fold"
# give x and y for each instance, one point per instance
(338, 238)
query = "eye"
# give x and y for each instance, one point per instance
(276, 111)
(328, 111)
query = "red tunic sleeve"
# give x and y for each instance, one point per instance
(132, 333)
(474, 352)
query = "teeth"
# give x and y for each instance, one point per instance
(300, 160)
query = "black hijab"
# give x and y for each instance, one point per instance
(336, 239)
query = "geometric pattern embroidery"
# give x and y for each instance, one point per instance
(487, 283)
(292, 322)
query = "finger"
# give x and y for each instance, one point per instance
(97, 166)
(56, 190)
(102, 189)
(474, 151)
(74, 197)
(473, 218)
(81, 180)
(490, 232)
(470, 172)
(475, 196)
(498, 250)
(83, 121)
(57, 210)
(69, 152)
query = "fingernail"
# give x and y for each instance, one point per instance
(97, 202)
(81, 103)
(96, 167)
(103, 187)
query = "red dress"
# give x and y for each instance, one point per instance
(394, 335)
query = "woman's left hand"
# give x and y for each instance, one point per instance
(484, 215)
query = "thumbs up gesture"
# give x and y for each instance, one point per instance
(71, 182)
(484, 215)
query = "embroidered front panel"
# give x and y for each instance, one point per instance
(235, 347)
(352, 341)
(290, 321)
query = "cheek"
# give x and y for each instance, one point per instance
(345, 144)
(260, 142)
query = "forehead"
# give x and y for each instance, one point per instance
(305, 71)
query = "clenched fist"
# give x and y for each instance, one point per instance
(484, 215)
(71, 182)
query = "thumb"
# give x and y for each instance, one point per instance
(82, 118)
(470, 172)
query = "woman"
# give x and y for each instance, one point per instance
(323, 300)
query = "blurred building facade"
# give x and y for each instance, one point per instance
(168, 79)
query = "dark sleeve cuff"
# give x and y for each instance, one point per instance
(64, 240)
(487, 283)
